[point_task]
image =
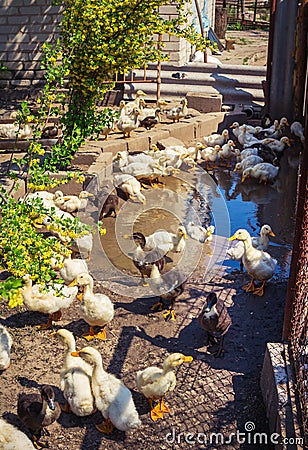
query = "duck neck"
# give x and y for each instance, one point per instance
(248, 245)
(88, 289)
(99, 375)
(264, 239)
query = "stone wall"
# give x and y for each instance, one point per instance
(24, 26)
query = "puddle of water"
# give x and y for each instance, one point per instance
(249, 205)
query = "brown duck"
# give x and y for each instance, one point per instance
(215, 320)
(38, 411)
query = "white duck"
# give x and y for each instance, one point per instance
(11, 438)
(83, 245)
(113, 399)
(264, 172)
(250, 161)
(130, 185)
(50, 302)
(217, 139)
(11, 131)
(128, 123)
(6, 342)
(245, 138)
(127, 108)
(278, 146)
(96, 309)
(297, 130)
(178, 112)
(261, 242)
(236, 253)
(72, 268)
(211, 155)
(174, 242)
(247, 152)
(237, 129)
(154, 382)
(199, 233)
(75, 378)
(259, 265)
(72, 203)
(227, 151)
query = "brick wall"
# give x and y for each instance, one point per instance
(24, 26)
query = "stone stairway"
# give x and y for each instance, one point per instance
(237, 84)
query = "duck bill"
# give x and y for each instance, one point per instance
(73, 283)
(75, 353)
(243, 179)
(272, 234)
(232, 238)
(185, 236)
(187, 358)
(51, 404)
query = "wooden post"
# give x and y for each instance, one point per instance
(255, 11)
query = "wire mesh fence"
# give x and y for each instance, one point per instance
(249, 13)
(299, 323)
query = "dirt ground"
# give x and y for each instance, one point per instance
(250, 48)
(213, 395)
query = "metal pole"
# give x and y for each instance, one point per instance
(201, 26)
(281, 86)
(158, 79)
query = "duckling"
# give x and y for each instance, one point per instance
(37, 411)
(72, 203)
(236, 253)
(227, 151)
(250, 161)
(169, 287)
(128, 123)
(155, 383)
(50, 302)
(142, 260)
(75, 378)
(113, 399)
(110, 206)
(245, 138)
(237, 129)
(261, 242)
(217, 139)
(267, 132)
(178, 112)
(297, 130)
(95, 309)
(127, 108)
(12, 131)
(130, 185)
(83, 245)
(263, 171)
(154, 112)
(72, 268)
(283, 123)
(167, 242)
(278, 146)
(266, 153)
(11, 438)
(199, 233)
(259, 264)
(211, 155)
(215, 320)
(6, 342)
